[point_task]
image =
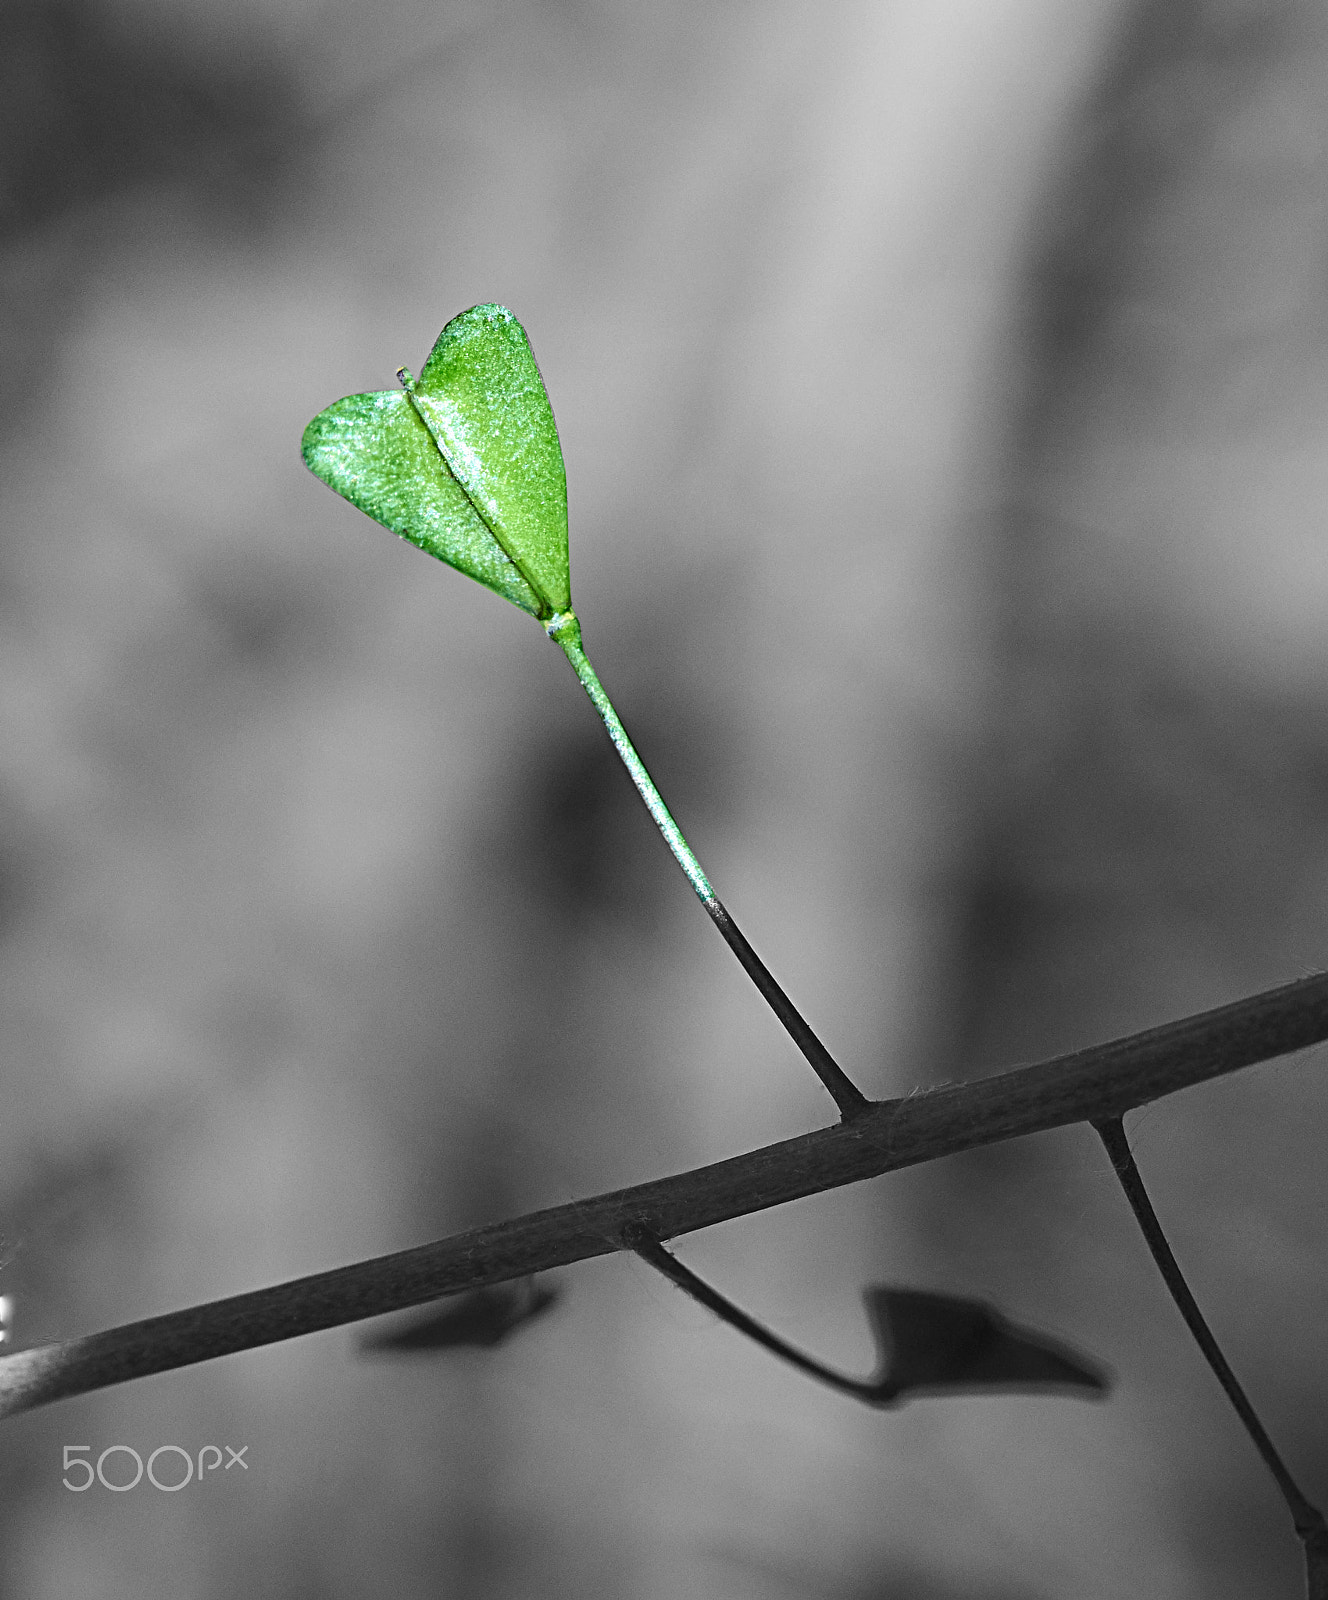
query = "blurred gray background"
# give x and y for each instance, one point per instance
(944, 392)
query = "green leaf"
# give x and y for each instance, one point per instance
(374, 450)
(484, 401)
(465, 463)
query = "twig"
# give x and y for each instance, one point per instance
(926, 1342)
(1089, 1085)
(1310, 1526)
(639, 1239)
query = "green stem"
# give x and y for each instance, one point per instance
(1307, 1517)
(565, 631)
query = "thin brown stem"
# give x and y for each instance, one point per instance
(846, 1094)
(650, 1250)
(1308, 1518)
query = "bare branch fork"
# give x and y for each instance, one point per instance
(1093, 1085)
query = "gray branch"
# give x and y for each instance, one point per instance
(1086, 1086)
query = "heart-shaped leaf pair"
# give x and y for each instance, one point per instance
(464, 462)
